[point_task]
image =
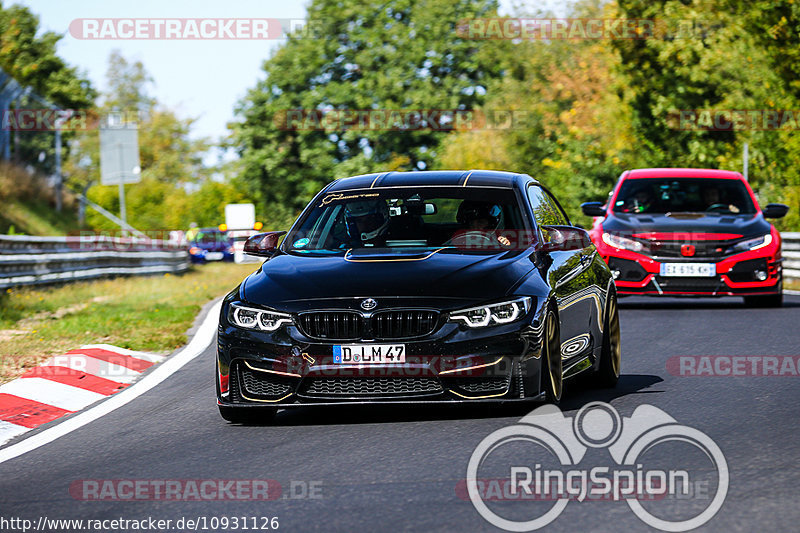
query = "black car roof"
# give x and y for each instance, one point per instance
(463, 178)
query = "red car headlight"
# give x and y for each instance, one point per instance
(616, 241)
(751, 244)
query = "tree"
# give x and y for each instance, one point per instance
(404, 54)
(177, 186)
(30, 57)
(717, 55)
(572, 129)
(128, 86)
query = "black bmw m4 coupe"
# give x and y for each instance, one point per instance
(418, 287)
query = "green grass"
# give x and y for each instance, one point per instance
(28, 205)
(141, 313)
(791, 284)
(36, 217)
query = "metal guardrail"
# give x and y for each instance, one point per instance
(791, 254)
(26, 260)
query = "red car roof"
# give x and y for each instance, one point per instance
(682, 173)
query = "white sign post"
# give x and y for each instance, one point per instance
(240, 220)
(119, 159)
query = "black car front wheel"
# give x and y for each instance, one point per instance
(552, 375)
(248, 416)
(611, 351)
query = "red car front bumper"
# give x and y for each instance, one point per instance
(736, 275)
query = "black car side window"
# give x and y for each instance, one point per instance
(557, 208)
(546, 210)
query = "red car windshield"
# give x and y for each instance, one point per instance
(681, 195)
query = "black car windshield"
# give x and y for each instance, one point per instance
(676, 195)
(409, 217)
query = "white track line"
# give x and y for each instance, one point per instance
(203, 337)
(52, 393)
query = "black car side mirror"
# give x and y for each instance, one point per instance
(775, 210)
(564, 239)
(263, 244)
(593, 209)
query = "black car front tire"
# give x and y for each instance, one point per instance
(248, 416)
(552, 372)
(607, 374)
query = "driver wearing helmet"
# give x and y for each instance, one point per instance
(477, 216)
(481, 220)
(366, 222)
(639, 202)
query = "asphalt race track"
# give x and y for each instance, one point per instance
(387, 469)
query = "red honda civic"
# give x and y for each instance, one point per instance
(689, 232)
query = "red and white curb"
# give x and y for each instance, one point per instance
(68, 383)
(202, 339)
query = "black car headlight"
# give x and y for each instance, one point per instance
(500, 313)
(751, 244)
(258, 319)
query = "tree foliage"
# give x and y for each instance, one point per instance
(403, 54)
(30, 57)
(178, 186)
(598, 107)
(718, 55)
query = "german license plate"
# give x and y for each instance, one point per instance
(689, 270)
(214, 256)
(369, 354)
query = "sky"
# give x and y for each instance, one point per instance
(202, 79)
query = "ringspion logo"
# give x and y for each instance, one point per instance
(541, 465)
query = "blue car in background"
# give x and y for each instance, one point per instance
(210, 244)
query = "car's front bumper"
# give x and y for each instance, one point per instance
(736, 275)
(453, 365)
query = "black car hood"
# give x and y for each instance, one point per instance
(287, 278)
(746, 225)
